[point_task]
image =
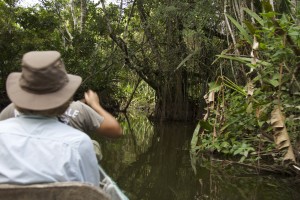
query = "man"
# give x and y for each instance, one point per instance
(90, 118)
(36, 147)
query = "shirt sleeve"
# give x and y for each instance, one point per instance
(92, 120)
(8, 112)
(88, 163)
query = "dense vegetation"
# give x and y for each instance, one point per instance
(255, 115)
(164, 56)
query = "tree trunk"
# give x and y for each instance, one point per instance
(172, 103)
(83, 4)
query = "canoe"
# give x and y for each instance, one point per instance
(52, 191)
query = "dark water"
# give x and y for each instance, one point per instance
(153, 161)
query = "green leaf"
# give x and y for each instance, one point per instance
(238, 151)
(194, 140)
(245, 60)
(269, 14)
(214, 86)
(171, 9)
(241, 29)
(254, 15)
(267, 6)
(206, 125)
(250, 27)
(186, 59)
(224, 144)
(294, 33)
(260, 123)
(242, 159)
(234, 86)
(274, 82)
(245, 153)
(249, 108)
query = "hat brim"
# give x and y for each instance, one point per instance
(31, 101)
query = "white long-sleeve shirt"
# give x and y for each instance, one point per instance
(35, 149)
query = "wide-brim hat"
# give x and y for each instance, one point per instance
(43, 83)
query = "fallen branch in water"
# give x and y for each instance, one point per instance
(291, 170)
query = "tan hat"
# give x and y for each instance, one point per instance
(43, 84)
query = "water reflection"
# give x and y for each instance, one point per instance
(152, 161)
(233, 182)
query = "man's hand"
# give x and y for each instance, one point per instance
(91, 98)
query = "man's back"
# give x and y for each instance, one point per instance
(81, 117)
(54, 152)
(78, 115)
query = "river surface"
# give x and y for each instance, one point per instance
(153, 161)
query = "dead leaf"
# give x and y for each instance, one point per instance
(211, 97)
(281, 136)
(277, 119)
(250, 88)
(255, 44)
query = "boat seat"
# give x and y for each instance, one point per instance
(52, 191)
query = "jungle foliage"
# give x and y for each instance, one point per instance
(244, 55)
(73, 28)
(169, 45)
(255, 116)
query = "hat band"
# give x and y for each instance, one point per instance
(44, 88)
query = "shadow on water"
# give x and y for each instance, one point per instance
(152, 161)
